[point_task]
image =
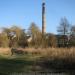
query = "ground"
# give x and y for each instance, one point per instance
(38, 62)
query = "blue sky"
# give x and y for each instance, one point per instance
(23, 12)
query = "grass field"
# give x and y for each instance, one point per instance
(40, 60)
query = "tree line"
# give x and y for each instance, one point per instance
(66, 32)
(17, 37)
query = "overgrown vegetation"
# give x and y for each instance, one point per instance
(17, 37)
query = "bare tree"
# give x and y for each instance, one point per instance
(63, 29)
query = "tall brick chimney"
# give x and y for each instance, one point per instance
(43, 19)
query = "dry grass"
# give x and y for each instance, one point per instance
(52, 59)
(48, 52)
(5, 51)
(59, 53)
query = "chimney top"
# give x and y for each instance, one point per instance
(43, 4)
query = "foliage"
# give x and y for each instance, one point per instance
(15, 35)
(36, 35)
(72, 36)
(23, 40)
(4, 42)
(52, 41)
